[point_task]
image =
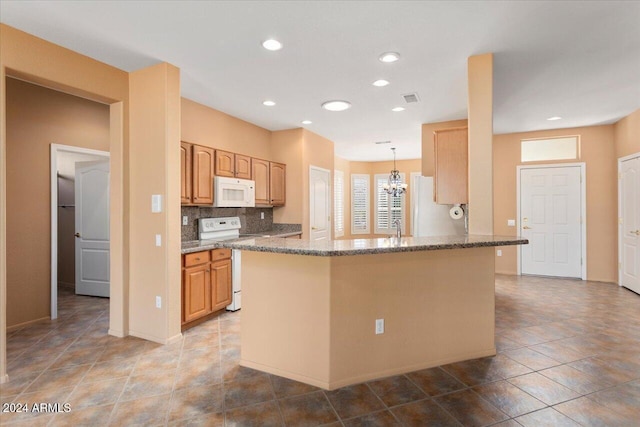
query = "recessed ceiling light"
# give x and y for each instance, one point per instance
(389, 57)
(269, 103)
(272, 44)
(336, 105)
(380, 83)
(306, 122)
(554, 118)
(397, 109)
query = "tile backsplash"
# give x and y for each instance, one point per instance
(249, 219)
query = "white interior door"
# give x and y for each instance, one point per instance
(550, 217)
(319, 204)
(92, 228)
(630, 227)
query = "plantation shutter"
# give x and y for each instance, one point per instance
(387, 208)
(360, 204)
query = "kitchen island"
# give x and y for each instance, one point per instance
(310, 307)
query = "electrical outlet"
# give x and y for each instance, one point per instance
(158, 240)
(261, 215)
(511, 223)
(185, 220)
(158, 302)
(379, 326)
(499, 252)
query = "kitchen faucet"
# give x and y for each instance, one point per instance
(397, 223)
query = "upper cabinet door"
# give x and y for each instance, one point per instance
(202, 175)
(451, 166)
(277, 181)
(260, 174)
(243, 166)
(225, 163)
(186, 169)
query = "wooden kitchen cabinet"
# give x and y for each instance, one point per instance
(232, 165)
(243, 166)
(202, 175)
(206, 284)
(196, 291)
(225, 163)
(220, 284)
(451, 166)
(186, 170)
(277, 183)
(260, 174)
(196, 171)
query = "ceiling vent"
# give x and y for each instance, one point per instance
(410, 98)
(382, 142)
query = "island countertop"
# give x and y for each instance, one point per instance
(370, 246)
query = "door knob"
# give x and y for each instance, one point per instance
(77, 235)
(526, 227)
(637, 232)
(313, 228)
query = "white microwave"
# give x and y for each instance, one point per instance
(233, 192)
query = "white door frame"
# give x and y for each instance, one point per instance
(330, 193)
(55, 150)
(583, 208)
(620, 228)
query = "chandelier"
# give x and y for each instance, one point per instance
(395, 186)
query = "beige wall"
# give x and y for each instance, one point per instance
(205, 126)
(599, 155)
(480, 108)
(345, 166)
(287, 148)
(35, 60)
(298, 149)
(373, 168)
(627, 135)
(154, 94)
(36, 118)
(316, 151)
(428, 153)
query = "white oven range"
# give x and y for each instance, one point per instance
(221, 229)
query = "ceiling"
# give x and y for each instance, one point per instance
(576, 59)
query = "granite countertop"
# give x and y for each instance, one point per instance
(205, 245)
(369, 246)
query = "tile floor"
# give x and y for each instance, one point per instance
(568, 355)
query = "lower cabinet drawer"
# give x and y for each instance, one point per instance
(196, 258)
(217, 254)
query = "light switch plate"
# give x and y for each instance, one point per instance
(379, 326)
(499, 252)
(158, 240)
(156, 203)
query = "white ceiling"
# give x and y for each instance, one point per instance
(576, 59)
